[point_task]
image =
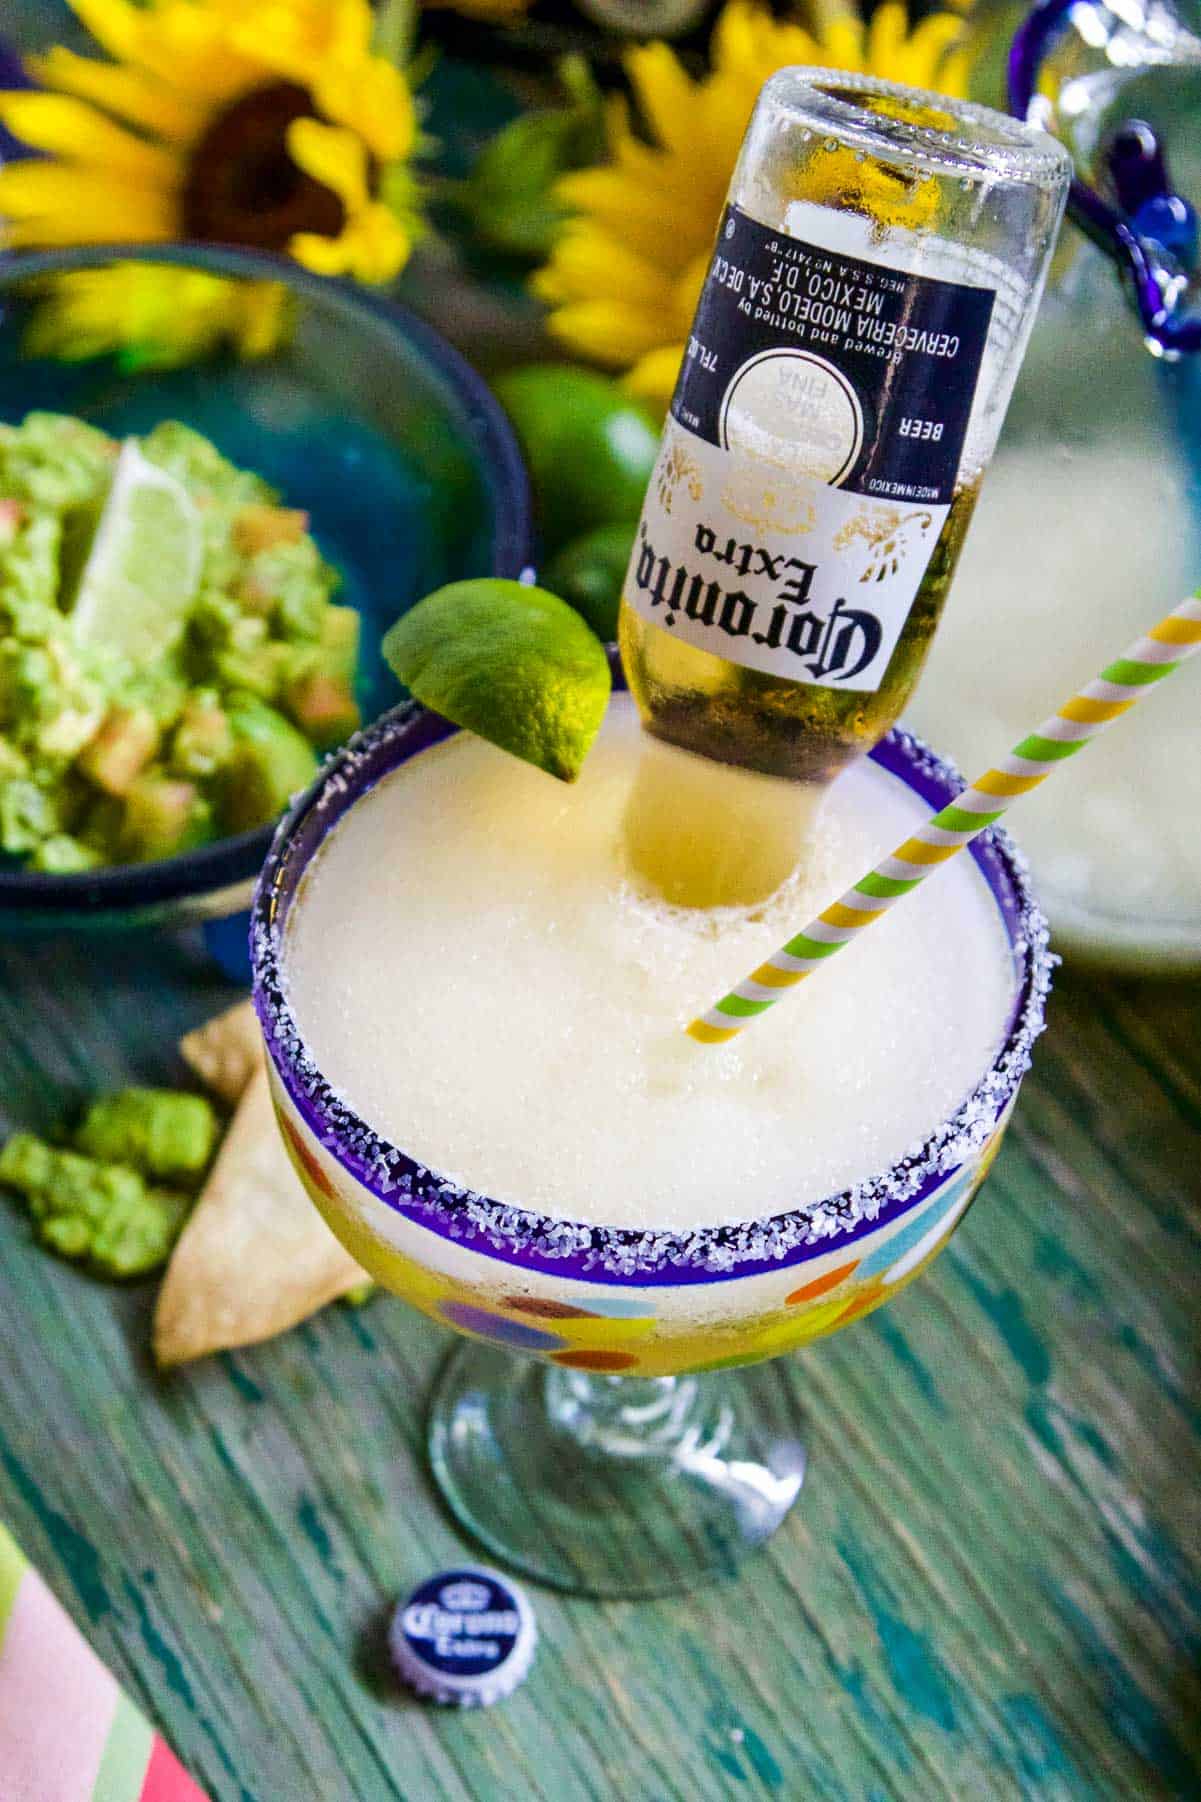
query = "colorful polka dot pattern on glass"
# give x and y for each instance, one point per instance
(642, 1330)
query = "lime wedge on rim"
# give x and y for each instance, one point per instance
(137, 587)
(513, 664)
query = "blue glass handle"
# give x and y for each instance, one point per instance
(1153, 229)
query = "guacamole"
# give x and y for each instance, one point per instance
(119, 1193)
(135, 723)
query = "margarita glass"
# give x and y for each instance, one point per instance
(620, 1455)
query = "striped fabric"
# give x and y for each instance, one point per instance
(1082, 718)
(67, 1733)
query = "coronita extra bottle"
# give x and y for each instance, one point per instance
(875, 276)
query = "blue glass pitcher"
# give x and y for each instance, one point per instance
(1115, 81)
(1089, 524)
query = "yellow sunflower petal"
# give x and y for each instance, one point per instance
(300, 39)
(137, 98)
(843, 48)
(324, 256)
(886, 37)
(954, 73)
(76, 132)
(382, 244)
(667, 175)
(374, 98)
(61, 328)
(750, 44)
(187, 45)
(270, 36)
(170, 316)
(351, 24)
(930, 47)
(263, 317)
(930, 39)
(653, 377)
(724, 113)
(50, 203)
(733, 38)
(547, 285)
(664, 93)
(633, 212)
(115, 24)
(333, 156)
(595, 262)
(373, 247)
(612, 332)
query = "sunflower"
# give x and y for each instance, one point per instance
(624, 275)
(271, 125)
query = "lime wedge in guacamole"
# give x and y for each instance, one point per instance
(172, 658)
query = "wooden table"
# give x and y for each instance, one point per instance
(990, 1588)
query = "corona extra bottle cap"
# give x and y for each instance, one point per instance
(464, 1636)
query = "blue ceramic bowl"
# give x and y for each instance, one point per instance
(364, 417)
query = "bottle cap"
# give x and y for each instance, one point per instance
(465, 1635)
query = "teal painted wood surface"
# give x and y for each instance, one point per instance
(990, 1588)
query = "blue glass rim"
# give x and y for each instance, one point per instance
(565, 1249)
(235, 860)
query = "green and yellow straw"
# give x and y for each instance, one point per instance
(1079, 720)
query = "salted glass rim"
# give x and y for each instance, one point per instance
(984, 141)
(649, 1255)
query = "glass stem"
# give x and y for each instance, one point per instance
(639, 1417)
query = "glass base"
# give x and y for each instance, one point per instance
(613, 1486)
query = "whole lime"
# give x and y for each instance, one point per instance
(512, 663)
(590, 449)
(589, 573)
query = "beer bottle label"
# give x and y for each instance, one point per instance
(812, 453)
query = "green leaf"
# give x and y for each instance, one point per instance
(510, 195)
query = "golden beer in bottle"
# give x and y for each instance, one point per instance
(873, 284)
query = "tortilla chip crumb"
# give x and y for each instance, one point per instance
(255, 1257)
(226, 1051)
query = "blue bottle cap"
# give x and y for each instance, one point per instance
(464, 1636)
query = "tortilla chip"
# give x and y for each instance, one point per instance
(226, 1051)
(255, 1257)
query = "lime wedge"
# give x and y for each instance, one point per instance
(514, 664)
(138, 584)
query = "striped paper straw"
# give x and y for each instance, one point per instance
(1088, 713)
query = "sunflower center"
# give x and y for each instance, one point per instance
(242, 187)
